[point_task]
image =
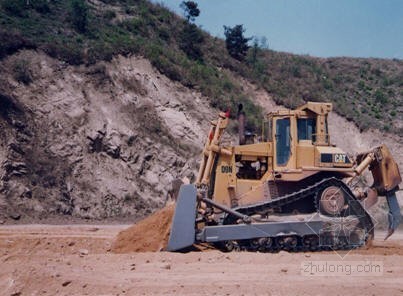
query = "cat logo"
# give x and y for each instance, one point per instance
(340, 158)
(226, 169)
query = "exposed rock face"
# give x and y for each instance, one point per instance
(94, 142)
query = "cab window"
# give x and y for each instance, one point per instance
(306, 128)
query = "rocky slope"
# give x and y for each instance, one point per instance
(94, 142)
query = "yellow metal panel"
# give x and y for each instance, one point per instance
(329, 149)
(259, 149)
(294, 175)
(225, 175)
(305, 154)
(318, 108)
(250, 191)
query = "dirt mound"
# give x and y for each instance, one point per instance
(148, 235)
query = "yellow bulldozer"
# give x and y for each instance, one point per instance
(291, 189)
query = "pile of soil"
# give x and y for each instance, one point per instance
(148, 235)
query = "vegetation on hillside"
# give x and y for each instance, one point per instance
(366, 91)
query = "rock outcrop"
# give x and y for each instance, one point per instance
(94, 142)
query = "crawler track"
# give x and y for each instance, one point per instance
(352, 228)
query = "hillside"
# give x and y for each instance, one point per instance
(96, 123)
(366, 91)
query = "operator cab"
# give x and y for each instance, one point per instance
(301, 139)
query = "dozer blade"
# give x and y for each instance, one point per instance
(183, 224)
(394, 213)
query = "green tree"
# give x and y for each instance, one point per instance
(236, 42)
(79, 15)
(191, 37)
(190, 9)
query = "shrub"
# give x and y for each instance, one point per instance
(41, 6)
(190, 41)
(135, 26)
(338, 79)
(15, 7)
(100, 51)
(79, 15)
(159, 59)
(168, 68)
(386, 82)
(361, 84)
(22, 71)
(380, 97)
(11, 41)
(296, 71)
(164, 34)
(68, 52)
(327, 84)
(110, 14)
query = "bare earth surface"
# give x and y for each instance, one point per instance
(77, 260)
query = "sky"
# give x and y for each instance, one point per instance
(323, 28)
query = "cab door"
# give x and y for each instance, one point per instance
(284, 146)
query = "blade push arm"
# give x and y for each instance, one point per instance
(211, 148)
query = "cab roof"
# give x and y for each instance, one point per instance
(315, 107)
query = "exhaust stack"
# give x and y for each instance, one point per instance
(241, 124)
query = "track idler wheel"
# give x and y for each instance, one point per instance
(331, 201)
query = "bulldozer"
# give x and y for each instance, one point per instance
(291, 189)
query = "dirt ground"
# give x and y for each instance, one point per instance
(77, 260)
